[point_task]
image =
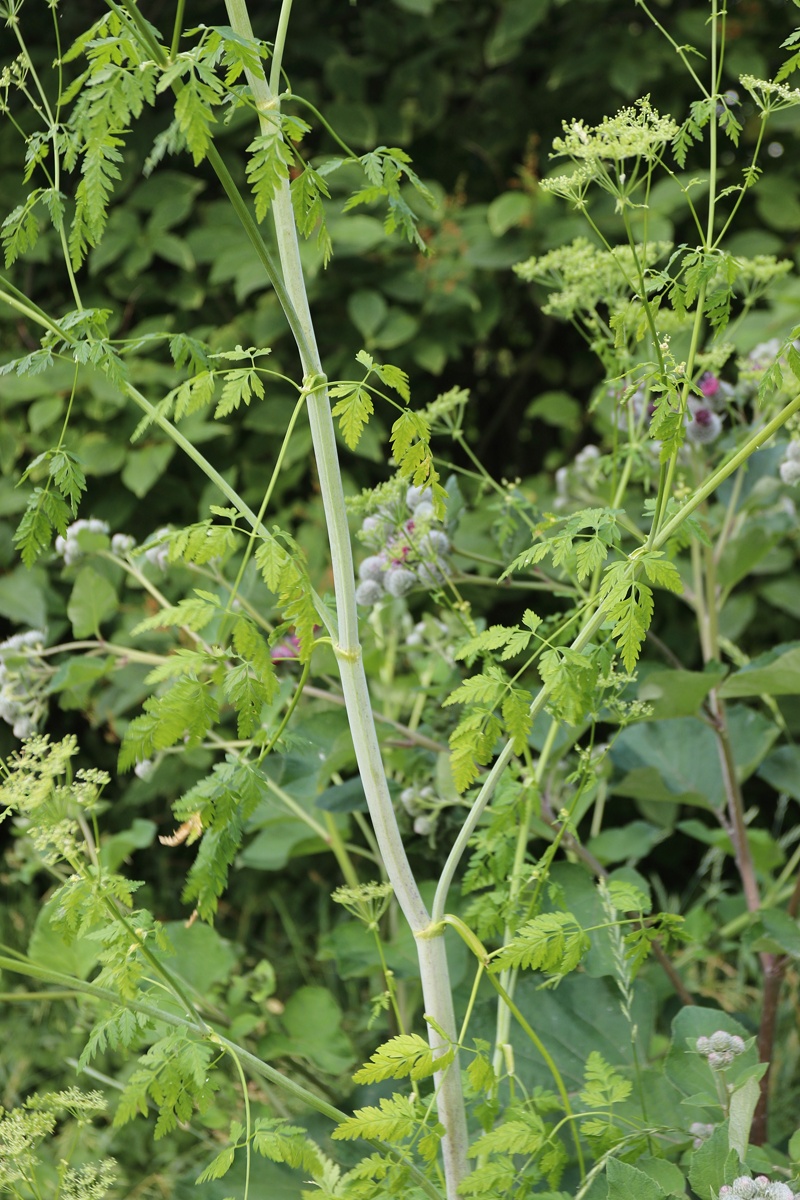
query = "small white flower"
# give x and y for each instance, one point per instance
(424, 825)
(24, 727)
(69, 546)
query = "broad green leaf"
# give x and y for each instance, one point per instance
(740, 1117)
(145, 467)
(49, 947)
(688, 1071)
(626, 843)
(22, 597)
(713, 1165)
(678, 693)
(628, 1183)
(200, 956)
(684, 753)
(776, 673)
(781, 769)
(117, 848)
(767, 852)
(312, 1021)
(92, 602)
(367, 310)
(782, 929)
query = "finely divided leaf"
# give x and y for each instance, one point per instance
(408, 1054)
(354, 408)
(552, 942)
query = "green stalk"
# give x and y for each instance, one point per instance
(508, 977)
(723, 472)
(431, 950)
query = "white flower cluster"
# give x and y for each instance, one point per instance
(69, 546)
(790, 467)
(410, 549)
(23, 682)
(720, 1049)
(760, 1188)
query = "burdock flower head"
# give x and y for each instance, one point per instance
(720, 1049)
(760, 1188)
(703, 425)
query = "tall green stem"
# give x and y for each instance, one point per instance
(431, 950)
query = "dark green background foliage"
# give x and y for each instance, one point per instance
(475, 92)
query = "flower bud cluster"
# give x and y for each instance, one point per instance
(420, 804)
(760, 1188)
(156, 549)
(409, 546)
(789, 469)
(700, 1132)
(720, 1049)
(72, 545)
(24, 676)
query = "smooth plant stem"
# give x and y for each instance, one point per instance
(431, 950)
(177, 30)
(725, 471)
(247, 1121)
(278, 48)
(31, 311)
(508, 977)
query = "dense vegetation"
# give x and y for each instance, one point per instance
(549, 895)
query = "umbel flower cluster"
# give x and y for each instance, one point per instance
(760, 1188)
(720, 1049)
(409, 549)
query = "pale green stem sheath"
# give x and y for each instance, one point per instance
(431, 950)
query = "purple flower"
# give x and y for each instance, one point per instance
(288, 647)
